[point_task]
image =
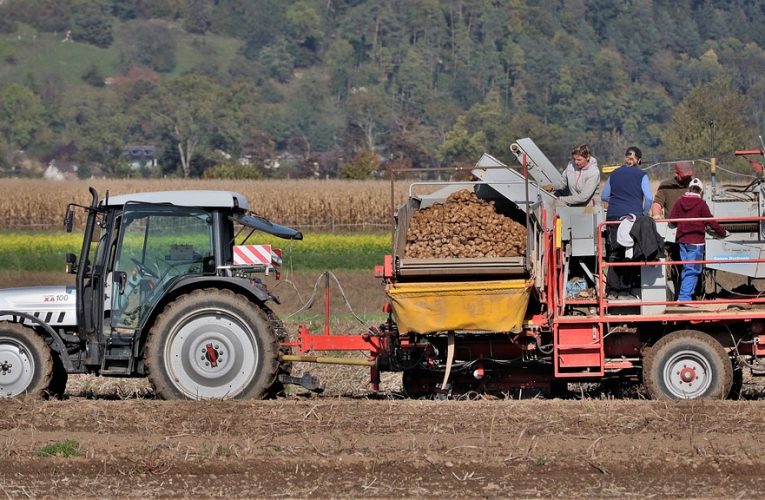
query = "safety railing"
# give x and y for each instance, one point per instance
(606, 306)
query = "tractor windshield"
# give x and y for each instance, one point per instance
(157, 244)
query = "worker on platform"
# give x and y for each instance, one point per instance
(669, 191)
(690, 235)
(628, 193)
(580, 179)
(667, 194)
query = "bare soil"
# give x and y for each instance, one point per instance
(347, 443)
(347, 447)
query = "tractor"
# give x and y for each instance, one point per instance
(161, 290)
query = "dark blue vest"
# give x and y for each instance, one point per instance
(626, 192)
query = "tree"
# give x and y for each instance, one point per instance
(277, 61)
(266, 25)
(311, 115)
(461, 146)
(185, 109)
(93, 29)
(368, 111)
(102, 135)
(124, 9)
(148, 44)
(21, 116)
(688, 134)
(339, 61)
(93, 76)
(413, 82)
(304, 28)
(197, 17)
(361, 166)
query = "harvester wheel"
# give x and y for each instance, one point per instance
(687, 364)
(212, 344)
(26, 362)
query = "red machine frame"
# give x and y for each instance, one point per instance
(578, 340)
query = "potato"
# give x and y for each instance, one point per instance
(465, 226)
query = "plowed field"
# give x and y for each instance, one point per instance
(346, 447)
(346, 444)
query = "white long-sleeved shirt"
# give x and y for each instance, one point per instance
(580, 183)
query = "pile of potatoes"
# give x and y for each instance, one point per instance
(465, 226)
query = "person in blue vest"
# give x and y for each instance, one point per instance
(627, 191)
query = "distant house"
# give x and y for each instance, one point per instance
(61, 163)
(60, 170)
(141, 156)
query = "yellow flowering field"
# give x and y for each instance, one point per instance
(45, 250)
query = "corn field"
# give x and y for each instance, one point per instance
(319, 204)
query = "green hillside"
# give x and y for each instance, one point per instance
(231, 89)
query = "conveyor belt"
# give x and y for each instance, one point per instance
(510, 266)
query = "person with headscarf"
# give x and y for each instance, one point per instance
(670, 190)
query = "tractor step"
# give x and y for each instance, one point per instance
(116, 371)
(116, 364)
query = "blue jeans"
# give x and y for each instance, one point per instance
(690, 273)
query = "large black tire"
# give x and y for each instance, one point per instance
(26, 362)
(687, 364)
(285, 367)
(212, 344)
(59, 378)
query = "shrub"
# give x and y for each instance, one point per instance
(232, 171)
(361, 166)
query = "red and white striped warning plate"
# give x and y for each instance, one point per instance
(252, 254)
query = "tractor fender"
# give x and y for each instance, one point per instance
(255, 291)
(252, 289)
(60, 347)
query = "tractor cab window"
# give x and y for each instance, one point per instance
(157, 245)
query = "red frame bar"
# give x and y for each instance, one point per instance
(604, 304)
(351, 342)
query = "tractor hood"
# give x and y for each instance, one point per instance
(54, 305)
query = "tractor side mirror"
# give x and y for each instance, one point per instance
(69, 219)
(121, 281)
(71, 263)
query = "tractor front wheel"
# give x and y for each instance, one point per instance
(687, 364)
(26, 362)
(212, 344)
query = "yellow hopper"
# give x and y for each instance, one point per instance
(490, 306)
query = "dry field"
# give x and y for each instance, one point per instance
(31, 203)
(110, 438)
(333, 204)
(350, 447)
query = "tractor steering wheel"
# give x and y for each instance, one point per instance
(144, 269)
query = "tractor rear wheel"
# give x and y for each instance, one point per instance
(212, 344)
(26, 362)
(687, 364)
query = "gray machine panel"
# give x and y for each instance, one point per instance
(579, 223)
(718, 249)
(540, 168)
